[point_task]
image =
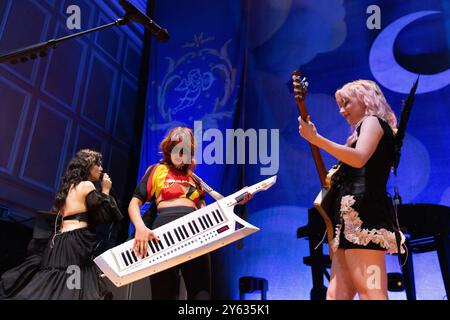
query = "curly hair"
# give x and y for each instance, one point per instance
(77, 171)
(371, 96)
(181, 139)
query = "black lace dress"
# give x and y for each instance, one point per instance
(364, 215)
(65, 271)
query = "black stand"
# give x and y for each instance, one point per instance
(408, 275)
(40, 49)
(439, 243)
(318, 261)
(252, 284)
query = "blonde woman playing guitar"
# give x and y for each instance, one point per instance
(362, 212)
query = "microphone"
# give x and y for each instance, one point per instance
(134, 14)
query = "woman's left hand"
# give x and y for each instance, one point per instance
(307, 129)
(106, 183)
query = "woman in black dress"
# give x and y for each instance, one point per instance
(365, 222)
(66, 271)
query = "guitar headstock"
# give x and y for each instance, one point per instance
(300, 85)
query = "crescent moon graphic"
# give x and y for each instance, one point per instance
(389, 73)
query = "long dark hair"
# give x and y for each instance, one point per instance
(77, 171)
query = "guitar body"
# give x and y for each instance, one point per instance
(324, 203)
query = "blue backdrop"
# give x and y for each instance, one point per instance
(229, 63)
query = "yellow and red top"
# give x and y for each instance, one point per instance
(162, 182)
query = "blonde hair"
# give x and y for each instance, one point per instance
(370, 95)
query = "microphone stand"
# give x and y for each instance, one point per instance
(32, 52)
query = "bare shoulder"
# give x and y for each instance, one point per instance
(372, 125)
(85, 187)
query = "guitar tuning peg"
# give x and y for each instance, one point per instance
(306, 83)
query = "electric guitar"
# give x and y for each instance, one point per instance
(324, 200)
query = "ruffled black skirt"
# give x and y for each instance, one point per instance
(65, 271)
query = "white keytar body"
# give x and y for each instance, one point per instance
(186, 238)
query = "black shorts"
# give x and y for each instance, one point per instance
(166, 215)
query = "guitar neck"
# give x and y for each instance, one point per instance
(320, 166)
(318, 161)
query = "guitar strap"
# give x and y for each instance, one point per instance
(211, 191)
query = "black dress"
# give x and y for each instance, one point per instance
(364, 215)
(65, 271)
